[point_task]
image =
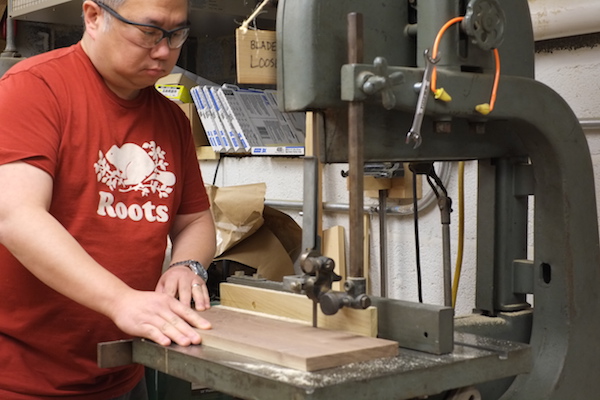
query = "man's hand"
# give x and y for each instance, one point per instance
(158, 317)
(179, 281)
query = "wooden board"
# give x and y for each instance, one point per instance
(289, 344)
(297, 307)
(367, 249)
(399, 188)
(334, 247)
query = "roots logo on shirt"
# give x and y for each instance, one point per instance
(134, 168)
(131, 167)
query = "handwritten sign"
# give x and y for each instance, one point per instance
(256, 54)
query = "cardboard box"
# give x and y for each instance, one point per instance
(256, 57)
(177, 79)
(177, 93)
(197, 129)
(206, 118)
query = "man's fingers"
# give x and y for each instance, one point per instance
(164, 319)
(156, 336)
(193, 318)
(185, 294)
(187, 319)
(179, 331)
(201, 296)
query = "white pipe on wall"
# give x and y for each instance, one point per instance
(561, 18)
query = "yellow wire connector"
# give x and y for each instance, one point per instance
(441, 94)
(484, 108)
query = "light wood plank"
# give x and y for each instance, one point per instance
(334, 247)
(289, 344)
(298, 307)
(367, 250)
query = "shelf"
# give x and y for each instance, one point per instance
(207, 153)
(50, 11)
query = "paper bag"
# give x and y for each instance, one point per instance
(272, 249)
(237, 211)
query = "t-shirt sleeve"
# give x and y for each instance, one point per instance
(30, 121)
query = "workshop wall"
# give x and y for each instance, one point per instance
(572, 68)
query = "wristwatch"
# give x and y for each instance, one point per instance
(195, 266)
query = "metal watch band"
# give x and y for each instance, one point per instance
(195, 266)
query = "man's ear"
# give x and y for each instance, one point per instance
(93, 18)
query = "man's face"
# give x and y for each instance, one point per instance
(129, 63)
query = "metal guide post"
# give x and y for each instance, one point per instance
(383, 242)
(355, 151)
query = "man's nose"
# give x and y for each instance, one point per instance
(161, 49)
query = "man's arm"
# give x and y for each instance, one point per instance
(46, 249)
(193, 237)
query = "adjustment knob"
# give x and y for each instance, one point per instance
(484, 23)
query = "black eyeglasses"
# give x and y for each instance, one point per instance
(148, 36)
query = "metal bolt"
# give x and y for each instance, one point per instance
(478, 127)
(329, 264)
(364, 301)
(295, 287)
(349, 286)
(443, 127)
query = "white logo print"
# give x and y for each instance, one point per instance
(130, 167)
(134, 168)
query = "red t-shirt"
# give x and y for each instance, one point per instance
(122, 170)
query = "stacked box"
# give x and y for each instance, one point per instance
(249, 120)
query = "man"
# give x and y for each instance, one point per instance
(96, 170)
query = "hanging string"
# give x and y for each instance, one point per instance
(252, 17)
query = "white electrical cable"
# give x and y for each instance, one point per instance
(445, 169)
